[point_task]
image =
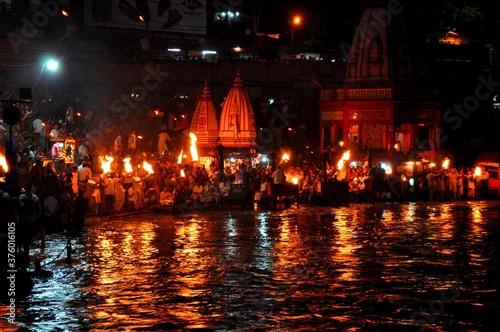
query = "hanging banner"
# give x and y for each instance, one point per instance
(179, 16)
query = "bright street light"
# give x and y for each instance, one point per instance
(295, 23)
(51, 65)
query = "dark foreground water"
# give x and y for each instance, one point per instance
(379, 267)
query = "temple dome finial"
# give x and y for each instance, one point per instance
(205, 93)
(237, 80)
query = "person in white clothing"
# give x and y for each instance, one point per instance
(28, 213)
(118, 145)
(163, 138)
(119, 193)
(132, 143)
(279, 176)
(51, 212)
(109, 193)
(84, 175)
(263, 190)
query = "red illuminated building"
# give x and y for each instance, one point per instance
(380, 105)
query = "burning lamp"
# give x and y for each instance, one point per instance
(192, 149)
(295, 180)
(345, 157)
(3, 163)
(147, 167)
(179, 159)
(106, 163)
(477, 171)
(127, 165)
(446, 163)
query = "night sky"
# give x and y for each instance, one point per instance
(338, 20)
(322, 16)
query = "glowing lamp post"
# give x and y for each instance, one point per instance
(52, 66)
(296, 22)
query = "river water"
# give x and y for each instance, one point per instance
(364, 267)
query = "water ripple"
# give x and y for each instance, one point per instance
(366, 267)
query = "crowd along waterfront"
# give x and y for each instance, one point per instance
(426, 266)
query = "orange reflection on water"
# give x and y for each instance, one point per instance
(190, 272)
(121, 269)
(446, 225)
(345, 245)
(284, 246)
(478, 218)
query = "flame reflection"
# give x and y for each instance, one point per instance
(299, 268)
(121, 266)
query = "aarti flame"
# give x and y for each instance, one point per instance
(179, 159)
(106, 163)
(147, 166)
(3, 163)
(446, 163)
(194, 152)
(477, 171)
(346, 156)
(127, 165)
(285, 157)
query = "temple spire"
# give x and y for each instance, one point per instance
(237, 122)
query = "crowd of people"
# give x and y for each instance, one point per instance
(462, 183)
(58, 196)
(56, 193)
